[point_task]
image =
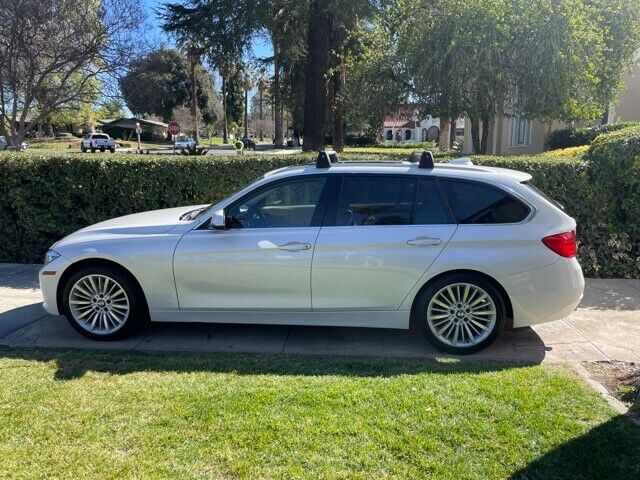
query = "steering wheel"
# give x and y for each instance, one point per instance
(253, 217)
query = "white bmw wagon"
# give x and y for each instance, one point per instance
(457, 251)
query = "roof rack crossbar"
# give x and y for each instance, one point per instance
(423, 159)
(326, 158)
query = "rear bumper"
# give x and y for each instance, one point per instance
(545, 294)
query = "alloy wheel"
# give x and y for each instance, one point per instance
(461, 315)
(99, 304)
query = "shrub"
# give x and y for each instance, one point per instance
(568, 152)
(613, 169)
(43, 197)
(576, 137)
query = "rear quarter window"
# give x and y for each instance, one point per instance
(478, 203)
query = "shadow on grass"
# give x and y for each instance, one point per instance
(74, 363)
(608, 451)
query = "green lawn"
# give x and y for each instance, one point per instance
(96, 414)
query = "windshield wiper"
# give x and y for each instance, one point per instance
(190, 215)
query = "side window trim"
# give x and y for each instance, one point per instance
(532, 209)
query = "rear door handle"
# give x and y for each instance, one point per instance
(424, 241)
(294, 246)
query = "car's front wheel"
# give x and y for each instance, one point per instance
(103, 303)
(460, 313)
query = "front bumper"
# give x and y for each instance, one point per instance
(545, 294)
(49, 277)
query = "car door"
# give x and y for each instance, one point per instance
(262, 259)
(384, 233)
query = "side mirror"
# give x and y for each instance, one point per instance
(218, 221)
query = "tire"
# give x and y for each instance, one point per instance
(93, 150)
(112, 150)
(479, 315)
(104, 318)
(83, 150)
(102, 149)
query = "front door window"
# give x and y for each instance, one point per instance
(287, 204)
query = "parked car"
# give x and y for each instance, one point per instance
(184, 143)
(4, 144)
(248, 143)
(460, 251)
(98, 141)
(65, 136)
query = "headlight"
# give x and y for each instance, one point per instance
(50, 256)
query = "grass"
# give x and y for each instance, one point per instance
(97, 414)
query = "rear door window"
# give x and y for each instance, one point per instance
(478, 203)
(375, 200)
(430, 208)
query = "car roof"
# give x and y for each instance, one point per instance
(463, 171)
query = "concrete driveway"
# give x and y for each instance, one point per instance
(606, 326)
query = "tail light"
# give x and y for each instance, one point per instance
(564, 244)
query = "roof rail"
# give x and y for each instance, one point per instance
(326, 158)
(424, 159)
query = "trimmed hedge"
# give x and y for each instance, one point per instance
(43, 197)
(576, 137)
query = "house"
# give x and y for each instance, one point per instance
(125, 128)
(511, 134)
(627, 108)
(406, 126)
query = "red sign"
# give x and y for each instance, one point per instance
(174, 128)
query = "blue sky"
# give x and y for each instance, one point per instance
(260, 47)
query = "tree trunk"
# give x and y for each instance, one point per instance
(445, 132)
(452, 134)
(485, 135)
(277, 97)
(225, 133)
(475, 134)
(315, 94)
(246, 114)
(338, 109)
(194, 101)
(261, 119)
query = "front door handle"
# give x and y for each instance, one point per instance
(294, 246)
(424, 241)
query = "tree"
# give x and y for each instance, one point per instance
(111, 108)
(52, 50)
(488, 58)
(221, 29)
(281, 19)
(371, 91)
(161, 81)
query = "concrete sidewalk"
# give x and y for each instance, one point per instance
(606, 326)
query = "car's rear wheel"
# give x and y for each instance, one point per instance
(103, 303)
(460, 313)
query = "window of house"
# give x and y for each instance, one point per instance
(520, 135)
(389, 135)
(375, 200)
(407, 135)
(474, 202)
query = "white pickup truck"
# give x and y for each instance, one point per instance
(98, 141)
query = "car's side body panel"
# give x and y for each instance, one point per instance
(245, 269)
(373, 267)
